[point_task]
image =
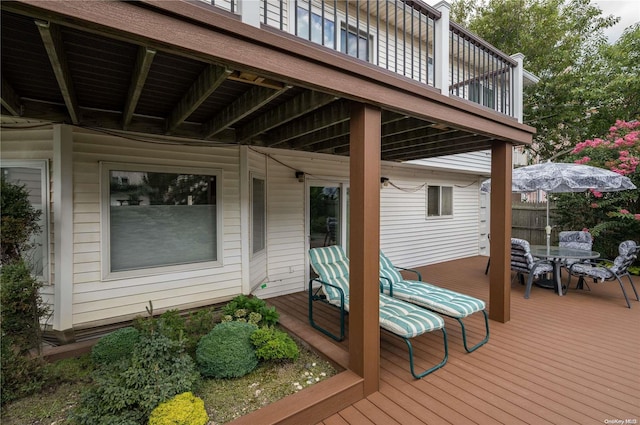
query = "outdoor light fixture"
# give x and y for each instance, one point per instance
(300, 176)
(384, 181)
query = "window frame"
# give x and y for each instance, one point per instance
(43, 166)
(105, 169)
(252, 177)
(439, 215)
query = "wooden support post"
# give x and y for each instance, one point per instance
(500, 228)
(364, 245)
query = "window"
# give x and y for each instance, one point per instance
(160, 218)
(316, 35)
(439, 201)
(34, 175)
(355, 44)
(481, 94)
(258, 215)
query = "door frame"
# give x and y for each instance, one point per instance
(343, 184)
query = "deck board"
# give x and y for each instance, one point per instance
(559, 360)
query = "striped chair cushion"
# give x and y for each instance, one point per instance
(332, 266)
(426, 295)
(407, 320)
(444, 301)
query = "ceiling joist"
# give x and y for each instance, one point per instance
(138, 79)
(206, 83)
(53, 44)
(298, 106)
(246, 104)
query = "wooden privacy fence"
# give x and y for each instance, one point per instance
(529, 220)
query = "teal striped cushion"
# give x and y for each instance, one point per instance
(407, 320)
(332, 266)
(444, 301)
(401, 318)
(388, 271)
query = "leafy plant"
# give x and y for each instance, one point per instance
(274, 344)
(115, 346)
(125, 392)
(183, 409)
(227, 351)
(19, 221)
(241, 307)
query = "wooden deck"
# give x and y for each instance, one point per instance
(560, 360)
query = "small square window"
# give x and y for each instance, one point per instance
(439, 201)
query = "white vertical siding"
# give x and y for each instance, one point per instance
(34, 144)
(96, 301)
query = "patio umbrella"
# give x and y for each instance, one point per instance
(556, 177)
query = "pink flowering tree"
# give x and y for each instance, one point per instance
(613, 216)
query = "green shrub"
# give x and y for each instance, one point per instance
(22, 306)
(274, 344)
(19, 221)
(20, 316)
(21, 374)
(241, 308)
(183, 409)
(226, 351)
(115, 346)
(170, 324)
(126, 391)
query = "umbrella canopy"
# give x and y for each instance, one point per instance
(557, 177)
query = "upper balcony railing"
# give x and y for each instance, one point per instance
(407, 37)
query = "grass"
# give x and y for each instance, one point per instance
(224, 399)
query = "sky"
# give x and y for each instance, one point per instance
(628, 10)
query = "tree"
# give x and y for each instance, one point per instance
(610, 217)
(581, 76)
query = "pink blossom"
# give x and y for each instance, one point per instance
(623, 211)
(594, 205)
(613, 129)
(596, 193)
(636, 216)
(584, 229)
(582, 160)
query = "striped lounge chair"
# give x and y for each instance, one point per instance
(431, 297)
(397, 317)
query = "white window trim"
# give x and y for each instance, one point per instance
(426, 203)
(262, 177)
(105, 168)
(43, 165)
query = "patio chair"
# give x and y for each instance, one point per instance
(523, 262)
(397, 317)
(577, 239)
(441, 300)
(608, 270)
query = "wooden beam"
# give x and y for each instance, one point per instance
(364, 246)
(246, 104)
(206, 83)
(53, 44)
(10, 99)
(500, 230)
(138, 79)
(469, 145)
(298, 106)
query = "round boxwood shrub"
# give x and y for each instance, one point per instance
(183, 409)
(115, 346)
(227, 351)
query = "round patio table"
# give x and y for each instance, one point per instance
(558, 253)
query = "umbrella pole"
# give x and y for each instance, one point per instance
(548, 227)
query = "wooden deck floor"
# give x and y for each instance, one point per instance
(560, 360)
